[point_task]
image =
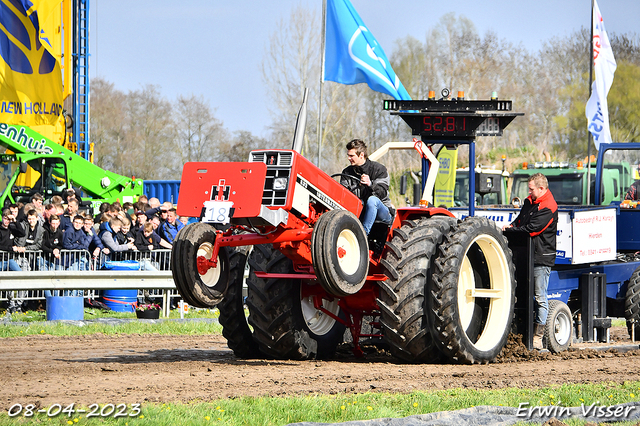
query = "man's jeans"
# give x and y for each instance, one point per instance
(540, 284)
(10, 265)
(374, 209)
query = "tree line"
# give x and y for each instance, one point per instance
(143, 134)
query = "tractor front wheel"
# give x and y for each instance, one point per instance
(199, 290)
(340, 252)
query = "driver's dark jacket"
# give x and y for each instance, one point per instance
(379, 182)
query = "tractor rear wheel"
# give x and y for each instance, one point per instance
(235, 327)
(407, 263)
(558, 331)
(286, 324)
(632, 304)
(472, 295)
(199, 290)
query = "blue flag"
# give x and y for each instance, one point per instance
(352, 54)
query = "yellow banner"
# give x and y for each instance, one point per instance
(446, 179)
(30, 76)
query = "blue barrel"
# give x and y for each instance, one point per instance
(65, 308)
(120, 300)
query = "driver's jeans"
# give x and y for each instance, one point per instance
(374, 209)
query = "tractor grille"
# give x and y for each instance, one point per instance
(278, 166)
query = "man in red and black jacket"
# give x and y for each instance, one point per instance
(539, 218)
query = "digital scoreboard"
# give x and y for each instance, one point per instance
(454, 119)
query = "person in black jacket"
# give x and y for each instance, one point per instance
(539, 218)
(371, 185)
(51, 245)
(32, 240)
(10, 231)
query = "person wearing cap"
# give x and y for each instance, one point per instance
(141, 219)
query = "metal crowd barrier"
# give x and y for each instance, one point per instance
(79, 270)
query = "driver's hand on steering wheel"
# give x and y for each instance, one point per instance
(365, 180)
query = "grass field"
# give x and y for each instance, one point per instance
(341, 407)
(33, 322)
(284, 410)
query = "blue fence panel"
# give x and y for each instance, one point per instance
(163, 190)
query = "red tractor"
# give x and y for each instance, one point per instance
(427, 285)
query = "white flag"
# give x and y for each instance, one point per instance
(604, 65)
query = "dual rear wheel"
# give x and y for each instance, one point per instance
(450, 290)
(472, 292)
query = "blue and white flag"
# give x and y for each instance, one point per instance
(352, 54)
(604, 64)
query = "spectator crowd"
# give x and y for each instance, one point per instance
(56, 235)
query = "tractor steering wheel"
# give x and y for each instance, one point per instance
(355, 178)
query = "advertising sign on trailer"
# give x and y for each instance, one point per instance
(594, 236)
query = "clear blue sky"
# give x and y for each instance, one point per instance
(214, 48)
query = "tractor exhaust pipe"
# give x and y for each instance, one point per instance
(301, 124)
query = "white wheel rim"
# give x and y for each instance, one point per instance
(466, 281)
(562, 328)
(348, 250)
(319, 322)
(210, 279)
(499, 293)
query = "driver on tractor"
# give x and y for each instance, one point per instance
(370, 183)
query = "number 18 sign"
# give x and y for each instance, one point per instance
(217, 211)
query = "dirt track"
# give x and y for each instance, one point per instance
(45, 370)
